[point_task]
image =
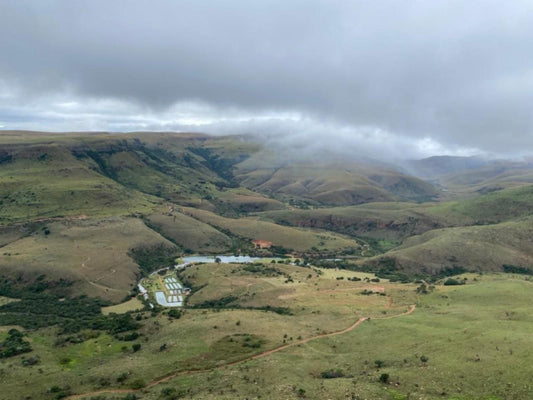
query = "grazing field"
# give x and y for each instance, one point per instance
(49, 182)
(133, 304)
(461, 342)
(474, 248)
(188, 232)
(204, 338)
(93, 254)
(84, 217)
(287, 237)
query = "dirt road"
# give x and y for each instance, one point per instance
(254, 357)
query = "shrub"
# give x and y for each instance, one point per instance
(137, 384)
(174, 313)
(122, 377)
(14, 344)
(453, 282)
(384, 378)
(332, 373)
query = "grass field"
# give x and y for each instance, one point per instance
(91, 253)
(131, 305)
(188, 232)
(204, 338)
(475, 248)
(49, 182)
(463, 342)
(89, 214)
(287, 237)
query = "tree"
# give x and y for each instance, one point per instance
(14, 344)
(384, 378)
(136, 347)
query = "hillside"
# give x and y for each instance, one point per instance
(332, 184)
(353, 253)
(194, 193)
(473, 248)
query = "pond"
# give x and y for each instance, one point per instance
(223, 259)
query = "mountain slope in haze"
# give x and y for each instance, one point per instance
(333, 184)
(472, 248)
(469, 176)
(437, 166)
(397, 221)
(195, 193)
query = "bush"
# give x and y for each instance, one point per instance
(514, 269)
(122, 377)
(137, 384)
(136, 347)
(14, 344)
(174, 313)
(384, 378)
(332, 374)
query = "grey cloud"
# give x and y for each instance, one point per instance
(453, 73)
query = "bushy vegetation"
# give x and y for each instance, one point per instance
(151, 258)
(261, 269)
(14, 344)
(232, 302)
(332, 374)
(514, 269)
(37, 309)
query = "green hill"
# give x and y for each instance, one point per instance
(473, 248)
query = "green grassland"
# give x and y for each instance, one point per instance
(324, 183)
(491, 208)
(93, 254)
(49, 182)
(390, 221)
(492, 177)
(133, 304)
(90, 214)
(475, 340)
(204, 338)
(288, 237)
(188, 232)
(474, 248)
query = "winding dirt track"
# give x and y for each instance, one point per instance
(254, 357)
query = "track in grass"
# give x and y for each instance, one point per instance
(254, 357)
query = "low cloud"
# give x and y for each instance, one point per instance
(403, 78)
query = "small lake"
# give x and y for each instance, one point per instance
(223, 259)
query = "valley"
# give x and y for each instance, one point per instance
(352, 278)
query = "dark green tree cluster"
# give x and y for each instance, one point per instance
(14, 344)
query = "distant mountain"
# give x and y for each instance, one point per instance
(460, 176)
(130, 203)
(437, 166)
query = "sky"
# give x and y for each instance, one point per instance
(402, 78)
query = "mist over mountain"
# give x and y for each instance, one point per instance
(384, 79)
(268, 199)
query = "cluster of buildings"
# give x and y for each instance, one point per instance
(175, 289)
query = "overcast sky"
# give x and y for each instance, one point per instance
(409, 77)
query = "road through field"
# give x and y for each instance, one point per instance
(254, 357)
